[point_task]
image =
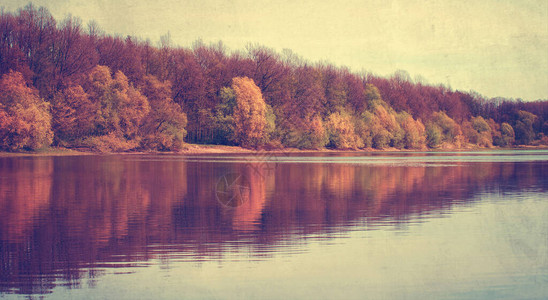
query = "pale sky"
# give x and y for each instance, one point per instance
(495, 47)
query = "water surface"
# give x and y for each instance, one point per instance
(443, 225)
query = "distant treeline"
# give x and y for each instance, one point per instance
(74, 86)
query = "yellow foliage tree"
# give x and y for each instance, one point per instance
(478, 131)
(132, 106)
(450, 130)
(306, 135)
(379, 126)
(387, 131)
(341, 131)
(507, 134)
(415, 132)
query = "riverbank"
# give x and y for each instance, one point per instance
(219, 149)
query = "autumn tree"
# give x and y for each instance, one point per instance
(495, 131)
(11, 56)
(380, 126)
(121, 109)
(131, 104)
(266, 69)
(187, 77)
(507, 135)
(74, 114)
(163, 127)
(523, 127)
(478, 132)
(249, 113)
(36, 33)
(364, 127)
(355, 93)
(372, 95)
(383, 125)
(414, 131)
(450, 131)
(340, 127)
(211, 67)
(121, 54)
(305, 135)
(73, 52)
(309, 94)
(24, 117)
(336, 92)
(370, 128)
(485, 137)
(434, 135)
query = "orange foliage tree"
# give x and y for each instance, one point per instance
(249, 113)
(25, 121)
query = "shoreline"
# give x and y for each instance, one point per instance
(220, 149)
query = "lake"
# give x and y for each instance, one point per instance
(407, 225)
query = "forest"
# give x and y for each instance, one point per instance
(65, 84)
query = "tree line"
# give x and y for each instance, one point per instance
(70, 85)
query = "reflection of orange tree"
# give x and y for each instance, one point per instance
(247, 216)
(116, 201)
(25, 187)
(334, 194)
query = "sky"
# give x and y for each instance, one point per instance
(494, 47)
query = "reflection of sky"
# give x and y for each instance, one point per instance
(470, 254)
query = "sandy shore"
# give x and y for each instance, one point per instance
(204, 149)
